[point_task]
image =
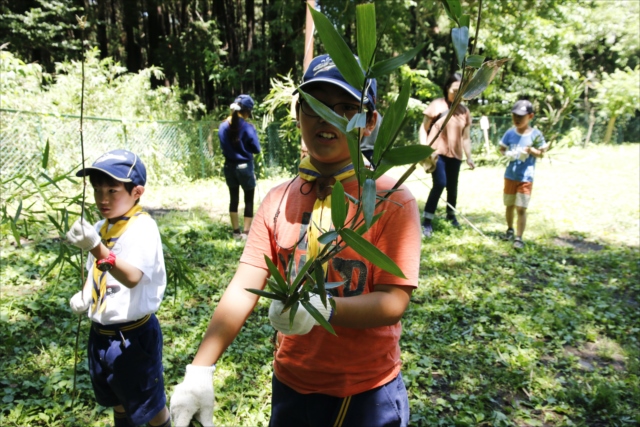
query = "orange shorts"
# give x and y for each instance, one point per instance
(517, 193)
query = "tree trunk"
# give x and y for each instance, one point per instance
(610, 126)
(592, 121)
(130, 24)
(103, 41)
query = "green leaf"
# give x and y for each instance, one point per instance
(483, 78)
(265, 294)
(275, 273)
(465, 21)
(359, 120)
(408, 154)
(363, 228)
(387, 66)
(302, 273)
(325, 112)
(392, 123)
(474, 61)
(18, 211)
(318, 316)
(338, 207)
(318, 273)
(366, 33)
(368, 200)
(16, 233)
(460, 39)
(327, 237)
(453, 9)
(45, 155)
(370, 252)
(338, 50)
(354, 151)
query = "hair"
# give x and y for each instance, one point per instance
(234, 124)
(455, 77)
(98, 178)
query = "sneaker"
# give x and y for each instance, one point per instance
(453, 220)
(427, 230)
(509, 235)
(518, 243)
(237, 235)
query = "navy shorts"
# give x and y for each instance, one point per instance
(125, 364)
(240, 175)
(384, 406)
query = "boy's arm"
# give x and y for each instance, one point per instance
(232, 311)
(382, 307)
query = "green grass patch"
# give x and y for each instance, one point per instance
(547, 336)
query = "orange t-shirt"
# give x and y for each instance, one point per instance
(449, 143)
(356, 360)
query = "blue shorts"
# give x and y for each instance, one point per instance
(384, 406)
(240, 175)
(125, 364)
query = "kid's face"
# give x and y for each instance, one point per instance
(327, 146)
(521, 122)
(453, 91)
(113, 200)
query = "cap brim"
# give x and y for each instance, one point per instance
(87, 171)
(348, 88)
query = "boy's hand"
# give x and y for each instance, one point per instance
(83, 235)
(79, 304)
(193, 397)
(302, 322)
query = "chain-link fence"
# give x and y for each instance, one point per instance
(192, 148)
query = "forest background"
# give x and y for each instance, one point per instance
(188, 59)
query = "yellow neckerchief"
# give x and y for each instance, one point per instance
(321, 216)
(109, 238)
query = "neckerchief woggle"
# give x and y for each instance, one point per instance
(321, 215)
(109, 237)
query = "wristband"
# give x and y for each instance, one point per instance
(107, 263)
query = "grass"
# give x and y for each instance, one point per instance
(548, 336)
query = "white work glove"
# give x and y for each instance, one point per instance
(83, 235)
(193, 397)
(79, 304)
(511, 155)
(303, 321)
(522, 154)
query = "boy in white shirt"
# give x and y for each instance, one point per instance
(124, 288)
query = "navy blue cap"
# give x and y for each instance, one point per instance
(522, 108)
(243, 101)
(121, 165)
(322, 69)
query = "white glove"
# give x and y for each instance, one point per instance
(511, 155)
(83, 235)
(522, 155)
(80, 305)
(303, 321)
(193, 397)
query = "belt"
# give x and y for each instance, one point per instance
(111, 330)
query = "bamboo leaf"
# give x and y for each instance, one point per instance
(338, 207)
(318, 273)
(460, 38)
(474, 61)
(366, 33)
(318, 316)
(16, 233)
(265, 294)
(325, 112)
(465, 21)
(453, 9)
(331, 235)
(45, 155)
(387, 66)
(483, 78)
(370, 252)
(275, 273)
(368, 200)
(407, 155)
(302, 273)
(333, 285)
(338, 49)
(363, 228)
(18, 211)
(359, 120)
(392, 122)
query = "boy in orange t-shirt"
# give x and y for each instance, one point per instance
(351, 378)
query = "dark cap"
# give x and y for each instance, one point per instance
(121, 165)
(522, 108)
(244, 102)
(322, 69)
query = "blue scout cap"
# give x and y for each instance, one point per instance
(121, 165)
(323, 69)
(243, 101)
(522, 107)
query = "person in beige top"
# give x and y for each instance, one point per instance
(449, 147)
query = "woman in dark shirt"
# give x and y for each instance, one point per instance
(239, 142)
